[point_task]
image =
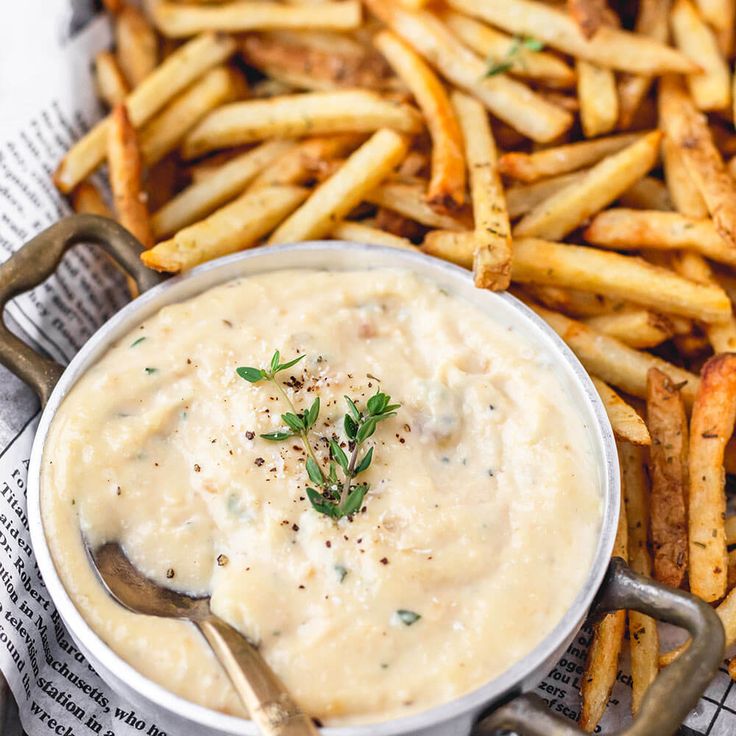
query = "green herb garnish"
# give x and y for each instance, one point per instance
(332, 497)
(408, 617)
(513, 55)
(137, 342)
(150, 371)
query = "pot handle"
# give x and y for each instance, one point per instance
(36, 261)
(675, 691)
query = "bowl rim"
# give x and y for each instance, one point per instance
(511, 681)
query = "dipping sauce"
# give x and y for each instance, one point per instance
(479, 528)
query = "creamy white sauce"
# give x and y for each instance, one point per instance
(482, 515)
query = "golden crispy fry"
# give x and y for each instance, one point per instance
(136, 44)
(86, 199)
(447, 183)
(667, 424)
(408, 200)
(730, 520)
(358, 232)
(292, 116)
(124, 159)
(525, 197)
(178, 20)
(113, 6)
(578, 304)
(610, 47)
(710, 90)
(686, 197)
(169, 128)
(638, 328)
(711, 426)
(235, 226)
(507, 99)
(588, 14)
(166, 81)
(720, 14)
(492, 232)
(363, 171)
(647, 194)
(601, 666)
(598, 98)
(498, 48)
(111, 85)
(530, 167)
(688, 129)
(626, 229)
(626, 423)
(567, 209)
(643, 636)
(225, 183)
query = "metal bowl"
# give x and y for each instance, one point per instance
(621, 588)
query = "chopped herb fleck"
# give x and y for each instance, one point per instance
(341, 572)
(137, 342)
(407, 617)
(150, 371)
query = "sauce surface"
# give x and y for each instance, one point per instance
(481, 521)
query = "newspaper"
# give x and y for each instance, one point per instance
(45, 88)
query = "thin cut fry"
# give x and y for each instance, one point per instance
(626, 229)
(711, 426)
(168, 129)
(710, 90)
(580, 304)
(731, 530)
(647, 194)
(588, 14)
(364, 170)
(610, 47)
(566, 210)
(492, 232)
(507, 99)
(598, 98)
(178, 20)
(638, 328)
(688, 129)
(136, 44)
(667, 424)
(408, 200)
(530, 167)
(525, 197)
(166, 81)
(643, 636)
(235, 226)
(447, 183)
(626, 423)
(293, 116)
(686, 197)
(357, 232)
(124, 160)
(198, 200)
(111, 85)
(86, 199)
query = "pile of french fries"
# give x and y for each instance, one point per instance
(580, 153)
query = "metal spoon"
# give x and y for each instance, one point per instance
(269, 704)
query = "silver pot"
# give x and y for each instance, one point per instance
(502, 704)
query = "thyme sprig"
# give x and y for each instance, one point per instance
(513, 55)
(336, 497)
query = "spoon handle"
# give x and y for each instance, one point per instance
(268, 702)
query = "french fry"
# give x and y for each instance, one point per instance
(498, 48)
(111, 85)
(165, 82)
(225, 183)
(86, 199)
(647, 194)
(626, 423)
(363, 171)
(686, 197)
(688, 129)
(525, 197)
(531, 167)
(598, 98)
(507, 99)
(668, 465)
(408, 200)
(357, 232)
(124, 159)
(579, 304)
(712, 423)
(721, 15)
(651, 20)
(638, 328)
(588, 14)
(626, 229)
(730, 528)
(567, 209)
(293, 116)
(235, 226)
(136, 44)
(601, 665)
(643, 636)
(492, 232)
(611, 47)
(710, 90)
(447, 184)
(168, 129)
(178, 20)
